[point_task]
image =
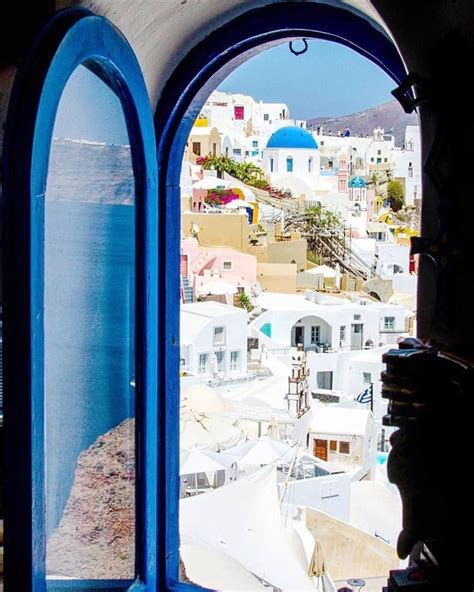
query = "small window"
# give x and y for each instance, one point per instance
(371, 160)
(266, 117)
(220, 359)
(344, 448)
(214, 149)
(385, 159)
(310, 164)
(379, 152)
(366, 377)
(289, 164)
(410, 169)
(389, 323)
(357, 317)
(342, 333)
(237, 151)
(227, 265)
(271, 165)
(234, 361)
(254, 143)
(219, 336)
(333, 445)
(315, 334)
(197, 148)
(238, 113)
(203, 361)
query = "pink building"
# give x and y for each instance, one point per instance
(372, 205)
(198, 199)
(343, 173)
(218, 269)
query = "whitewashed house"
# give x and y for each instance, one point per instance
(344, 437)
(323, 323)
(407, 164)
(213, 340)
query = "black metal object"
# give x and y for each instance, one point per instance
(405, 95)
(301, 51)
(430, 401)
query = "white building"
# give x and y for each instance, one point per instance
(345, 437)
(407, 164)
(392, 259)
(325, 323)
(213, 340)
(379, 150)
(292, 160)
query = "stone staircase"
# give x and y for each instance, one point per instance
(187, 290)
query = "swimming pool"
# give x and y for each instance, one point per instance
(382, 457)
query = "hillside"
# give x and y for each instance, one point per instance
(389, 116)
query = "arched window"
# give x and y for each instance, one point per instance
(310, 164)
(289, 164)
(73, 39)
(81, 343)
(271, 165)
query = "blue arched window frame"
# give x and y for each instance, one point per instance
(70, 39)
(200, 72)
(207, 64)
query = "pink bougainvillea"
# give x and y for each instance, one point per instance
(220, 197)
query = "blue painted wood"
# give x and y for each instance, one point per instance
(197, 75)
(79, 586)
(71, 38)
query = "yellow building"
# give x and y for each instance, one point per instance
(202, 140)
(277, 277)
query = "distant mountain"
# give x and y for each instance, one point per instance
(389, 116)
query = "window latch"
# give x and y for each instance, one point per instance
(405, 95)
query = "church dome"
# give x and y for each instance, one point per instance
(357, 182)
(292, 137)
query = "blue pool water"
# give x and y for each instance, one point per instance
(382, 457)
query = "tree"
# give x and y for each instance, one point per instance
(396, 195)
(243, 301)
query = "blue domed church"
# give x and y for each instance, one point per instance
(292, 160)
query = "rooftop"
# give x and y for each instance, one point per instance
(292, 137)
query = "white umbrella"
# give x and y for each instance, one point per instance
(214, 569)
(202, 461)
(217, 287)
(261, 451)
(198, 430)
(316, 568)
(211, 183)
(194, 461)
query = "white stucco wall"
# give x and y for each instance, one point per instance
(300, 158)
(198, 340)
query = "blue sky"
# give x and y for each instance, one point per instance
(328, 80)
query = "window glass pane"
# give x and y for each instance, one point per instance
(89, 336)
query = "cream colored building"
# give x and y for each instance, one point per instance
(202, 140)
(277, 277)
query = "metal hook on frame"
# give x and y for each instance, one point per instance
(304, 50)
